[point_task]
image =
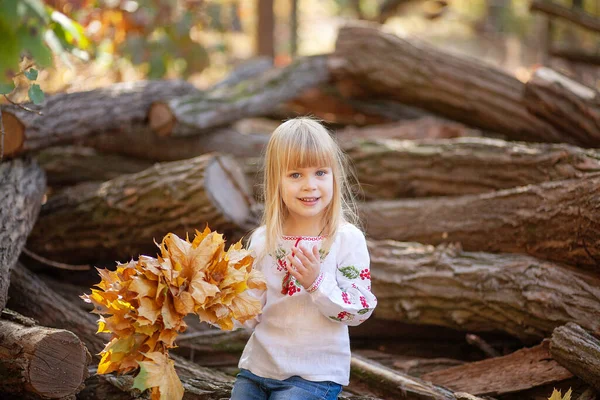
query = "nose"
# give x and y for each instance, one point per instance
(310, 183)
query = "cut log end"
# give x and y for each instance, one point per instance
(161, 119)
(58, 365)
(227, 187)
(14, 133)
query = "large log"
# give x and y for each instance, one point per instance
(456, 87)
(69, 117)
(396, 169)
(568, 105)
(191, 115)
(518, 371)
(30, 296)
(479, 292)
(35, 360)
(558, 221)
(143, 144)
(119, 219)
(399, 385)
(22, 187)
(578, 351)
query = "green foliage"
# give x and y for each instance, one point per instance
(30, 29)
(35, 94)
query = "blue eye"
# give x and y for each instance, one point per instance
(295, 175)
(321, 173)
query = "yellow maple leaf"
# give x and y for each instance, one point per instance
(557, 395)
(158, 372)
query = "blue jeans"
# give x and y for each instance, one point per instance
(248, 386)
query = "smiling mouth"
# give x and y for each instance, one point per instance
(309, 199)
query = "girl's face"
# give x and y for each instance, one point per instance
(307, 192)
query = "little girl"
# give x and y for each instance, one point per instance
(316, 265)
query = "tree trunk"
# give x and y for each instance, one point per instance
(121, 218)
(192, 115)
(455, 87)
(265, 33)
(521, 370)
(558, 221)
(575, 16)
(396, 169)
(578, 351)
(568, 105)
(70, 117)
(399, 385)
(22, 187)
(51, 363)
(144, 145)
(478, 292)
(30, 296)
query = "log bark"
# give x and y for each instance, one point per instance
(70, 165)
(119, 219)
(452, 86)
(22, 187)
(577, 17)
(50, 363)
(566, 104)
(478, 292)
(397, 384)
(521, 370)
(200, 383)
(69, 117)
(144, 145)
(191, 115)
(388, 169)
(414, 129)
(396, 169)
(558, 221)
(578, 351)
(30, 296)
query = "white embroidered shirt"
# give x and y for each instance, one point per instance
(306, 334)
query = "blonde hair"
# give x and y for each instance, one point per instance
(300, 143)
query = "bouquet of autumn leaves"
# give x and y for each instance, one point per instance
(143, 304)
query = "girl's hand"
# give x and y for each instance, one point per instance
(305, 266)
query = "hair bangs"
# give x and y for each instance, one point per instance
(308, 150)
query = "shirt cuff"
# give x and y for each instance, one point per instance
(315, 285)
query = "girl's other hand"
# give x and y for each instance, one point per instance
(305, 266)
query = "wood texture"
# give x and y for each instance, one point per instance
(48, 362)
(121, 218)
(456, 87)
(568, 105)
(22, 187)
(479, 292)
(521, 370)
(30, 296)
(578, 351)
(558, 221)
(69, 117)
(442, 167)
(197, 114)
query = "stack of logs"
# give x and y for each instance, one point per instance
(481, 207)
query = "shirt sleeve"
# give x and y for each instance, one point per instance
(256, 246)
(346, 297)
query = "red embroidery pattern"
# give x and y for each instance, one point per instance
(365, 274)
(315, 285)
